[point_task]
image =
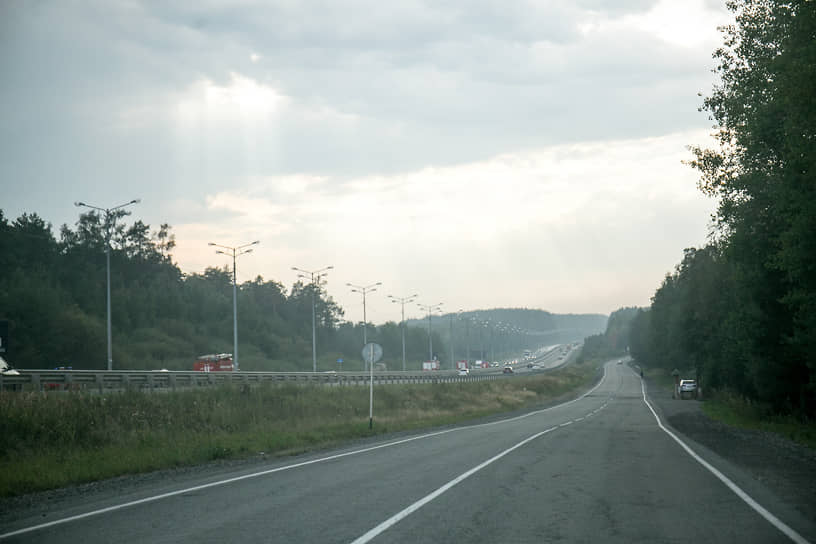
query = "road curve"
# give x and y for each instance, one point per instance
(597, 469)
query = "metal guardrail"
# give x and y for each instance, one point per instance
(146, 380)
(93, 380)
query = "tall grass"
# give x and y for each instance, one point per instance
(51, 440)
(740, 412)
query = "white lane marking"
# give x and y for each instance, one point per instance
(399, 516)
(215, 484)
(373, 533)
(761, 510)
(579, 418)
(154, 498)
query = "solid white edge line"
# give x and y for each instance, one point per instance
(373, 533)
(154, 498)
(761, 510)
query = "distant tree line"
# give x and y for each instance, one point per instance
(500, 333)
(52, 292)
(742, 310)
(612, 342)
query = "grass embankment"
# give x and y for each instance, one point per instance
(733, 410)
(53, 440)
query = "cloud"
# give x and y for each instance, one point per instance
(578, 227)
(438, 146)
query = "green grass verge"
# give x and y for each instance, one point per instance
(52, 440)
(738, 412)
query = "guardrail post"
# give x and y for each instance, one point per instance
(99, 379)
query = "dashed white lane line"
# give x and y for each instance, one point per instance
(758, 508)
(379, 529)
(399, 516)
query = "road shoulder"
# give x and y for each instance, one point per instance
(762, 462)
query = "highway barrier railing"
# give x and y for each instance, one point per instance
(96, 380)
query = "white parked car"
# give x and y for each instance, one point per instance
(688, 389)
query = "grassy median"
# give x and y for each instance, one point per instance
(53, 440)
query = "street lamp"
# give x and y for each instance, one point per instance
(467, 339)
(110, 220)
(479, 323)
(363, 290)
(234, 252)
(430, 308)
(314, 278)
(402, 301)
(458, 312)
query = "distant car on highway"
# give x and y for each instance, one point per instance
(688, 389)
(507, 370)
(464, 371)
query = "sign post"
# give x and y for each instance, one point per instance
(371, 354)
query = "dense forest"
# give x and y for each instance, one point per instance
(741, 311)
(52, 293)
(615, 340)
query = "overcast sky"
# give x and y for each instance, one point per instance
(481, 154)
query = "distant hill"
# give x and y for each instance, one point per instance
(533, 328)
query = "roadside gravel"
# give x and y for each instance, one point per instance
(788, 469)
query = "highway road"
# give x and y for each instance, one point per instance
(597, 469)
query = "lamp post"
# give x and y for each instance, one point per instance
(402, 301)
(363, 290)
(314, 279)
(430, 308)
(234, 252)
(479, 323)
(110, 220)
(458, 312)
(467, 338)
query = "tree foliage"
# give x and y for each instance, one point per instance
(615, 340)
(52, 291)
(742, 311)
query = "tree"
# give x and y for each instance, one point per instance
(763, 174)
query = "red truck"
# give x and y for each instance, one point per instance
(215, 362)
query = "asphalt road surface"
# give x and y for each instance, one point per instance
(597, 469)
